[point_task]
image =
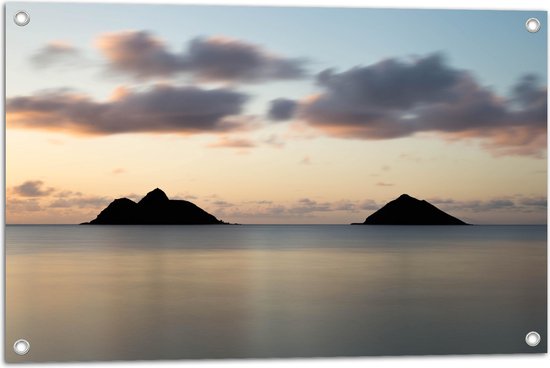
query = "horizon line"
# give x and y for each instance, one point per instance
(263, 224)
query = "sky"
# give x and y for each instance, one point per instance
(275, 115)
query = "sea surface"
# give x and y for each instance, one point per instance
(89, 293)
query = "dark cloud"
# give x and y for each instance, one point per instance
(527, 95)
(395, 98)
(160, 109)
(138, 53)
(281, 109)
(142, 55)
(394, 84)
(32, 188)
(226, 59)
(56, 52)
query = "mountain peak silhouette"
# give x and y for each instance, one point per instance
(154, 196)
(407, 210)
(153, 209)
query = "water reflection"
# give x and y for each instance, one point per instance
(111, 293)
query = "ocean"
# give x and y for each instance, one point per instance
(101, 293)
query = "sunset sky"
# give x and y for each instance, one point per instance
(275, 115)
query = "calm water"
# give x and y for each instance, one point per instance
(174, 292)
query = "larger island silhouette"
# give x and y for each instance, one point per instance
(154, 209)
(407, 210)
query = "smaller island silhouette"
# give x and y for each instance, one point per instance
(407, 210)
(153, 209)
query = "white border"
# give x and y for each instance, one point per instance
(505, 361)
(400, 4)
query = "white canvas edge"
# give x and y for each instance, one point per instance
(504, 361)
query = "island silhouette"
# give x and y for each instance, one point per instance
(157, 209)
(153, 209)
(407, 210)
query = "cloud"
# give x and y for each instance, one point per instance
(382, 184)
(396, 98)
(221, 58)
(134, 196)
(34, 202)
(81, 202)
(523, 204)
(37, 191)
(55, 52)
(413, 157)
(138, 53)
(281, 109)
(22, 205)
(160, 109)
(306, 160)
(345, 205)
(274, 141)
(310, 206)
(143, 55)
(537, 202)
(32, 188)
(118, 171)
(222, 204)
(66, 193)
(306, 205)
(263, 202)
(229, 142)
(369, 205)
(304, 210)
(266, 209)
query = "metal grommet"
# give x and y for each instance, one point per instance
(21, 18)
(532, 338)
(532, 25)
(21, 347)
